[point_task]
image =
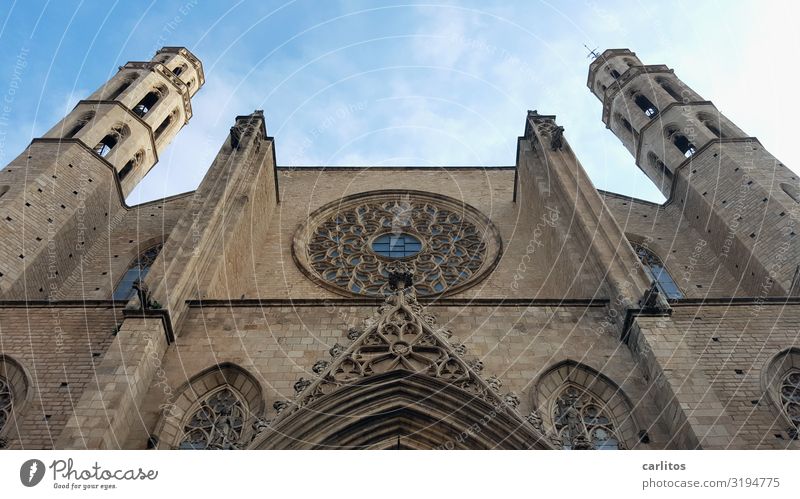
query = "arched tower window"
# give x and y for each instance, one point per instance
(135, 161)
(658, 273)
(657, 165)
(166, 123)
(614, 73)
(148, 101)
(680, 140)
(668, 88)
(104, 147)
(79, 124)
(625, 124)
(792, 191)
(714, 125)
(138, 270)
(179, 69)
(585, 409)
(781, 381)
(3, 190)
(122, 87)
(650, 109)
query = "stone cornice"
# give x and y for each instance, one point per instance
(369, 302)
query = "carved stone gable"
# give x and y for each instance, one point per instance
(401, 337)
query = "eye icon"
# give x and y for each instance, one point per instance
(31, 472)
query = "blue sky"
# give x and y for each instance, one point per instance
(390, 83)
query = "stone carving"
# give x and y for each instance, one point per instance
(336, 350)
(217, 424)
(259, 425)
(477, 366)
(535, 420)
(301, 385)
(494, 383)
(320, 366)
(402, 337)
(143, 292)
(280, 406)
(338, 248)
(546, 127)
(582, 422)
(241, 130)
(353, 333)
(512, 400)
(650, 302)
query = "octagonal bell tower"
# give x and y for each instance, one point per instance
(58, 195)
(729, 187)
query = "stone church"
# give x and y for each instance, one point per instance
(399, 308)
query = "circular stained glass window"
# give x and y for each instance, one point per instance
(350, 244)
(396, 245)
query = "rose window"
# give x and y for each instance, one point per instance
(351, 245)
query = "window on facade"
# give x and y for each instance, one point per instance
(658, 166)
(650, 110)
(147, 103)
(79, 124)
(669, 89)
(3, 190)
(217, 422)
(179, 69)
(131, 164)
(790, 396)
(166, 123)
(581, 418)
(104, 147)
(713, 125)
(614, 73)
(396, 245)
(6, 402)
(658, 273)
(681, 142)
(121, 88)
(138, 270)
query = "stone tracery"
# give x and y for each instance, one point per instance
(457, 243)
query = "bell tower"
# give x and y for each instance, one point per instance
(66, 187)
(728, 186)
(137, 113)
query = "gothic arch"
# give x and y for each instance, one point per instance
(400, 408)
(593, 389)
(403, 381)
(189, 397)
(15, 394)
(774, 384)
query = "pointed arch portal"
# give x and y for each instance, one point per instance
(405, 410)
(400, 384)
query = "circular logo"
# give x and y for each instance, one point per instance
(31, 472)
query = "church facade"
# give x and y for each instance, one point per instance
(414, 308)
